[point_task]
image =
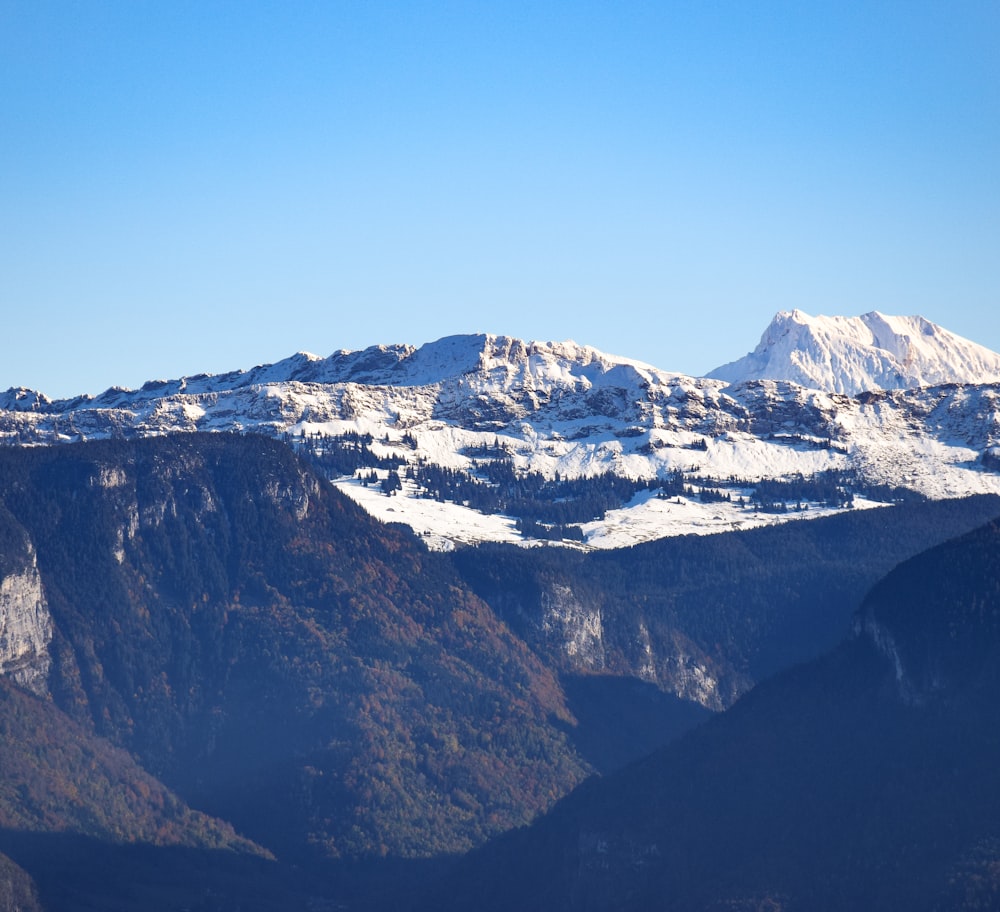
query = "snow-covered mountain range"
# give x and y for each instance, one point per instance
(568, 411)
(854, 354)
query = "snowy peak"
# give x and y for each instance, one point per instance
(501, 359)
(446, 359)
(22, 399)
(478, 359)
(563, 411)
(855, 354)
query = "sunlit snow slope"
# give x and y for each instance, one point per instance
(570, 411)
(854, 354)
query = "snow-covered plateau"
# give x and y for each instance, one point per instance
(568, 411)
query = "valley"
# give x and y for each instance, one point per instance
(371, 631)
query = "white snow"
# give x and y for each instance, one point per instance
(853, 354)
(572, 410)
(645, 518)
(441, 525)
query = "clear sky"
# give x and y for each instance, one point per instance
(204, 186)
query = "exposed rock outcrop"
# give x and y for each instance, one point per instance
(25, 629)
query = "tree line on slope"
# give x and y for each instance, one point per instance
(552, 508)
(748, 603)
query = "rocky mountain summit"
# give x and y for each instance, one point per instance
(857, 354)
(695, 450)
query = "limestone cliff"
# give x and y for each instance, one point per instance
(25, 628)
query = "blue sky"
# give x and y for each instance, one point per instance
(203, 186)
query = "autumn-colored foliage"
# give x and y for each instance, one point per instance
(277, 657)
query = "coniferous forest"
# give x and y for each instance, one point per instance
(257, 697)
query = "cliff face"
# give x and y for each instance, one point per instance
(25, 622)
(570, 629)
(936, 618)
(25, 630)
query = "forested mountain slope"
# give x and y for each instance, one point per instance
(271, 653)
(863, 780)
(290, 677)
(704, 617)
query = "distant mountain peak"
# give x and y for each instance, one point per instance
(850, 355)
(561, 411)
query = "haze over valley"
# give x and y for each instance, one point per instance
(520, 456)
(356, 616)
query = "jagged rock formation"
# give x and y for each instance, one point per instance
(852, 355)
(572, 628)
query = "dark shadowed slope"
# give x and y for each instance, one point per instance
(703, 617)
(276, 656)
(866, 779)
